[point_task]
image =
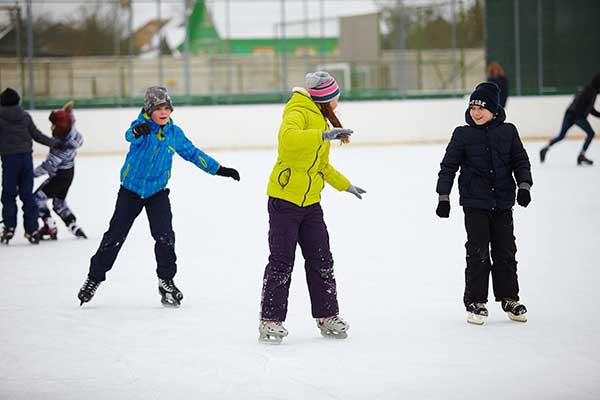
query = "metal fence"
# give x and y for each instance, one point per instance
(230, 51)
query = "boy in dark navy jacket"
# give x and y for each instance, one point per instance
(154, 139)
(488, 152)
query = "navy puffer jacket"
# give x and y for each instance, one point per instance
(488, 156)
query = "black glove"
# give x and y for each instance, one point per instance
(229, 172)
(443, 209)
(523, 197)
(141, 129)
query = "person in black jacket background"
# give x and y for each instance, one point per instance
(576, 114)
(488, 152)
(16, 133)
(495, 74)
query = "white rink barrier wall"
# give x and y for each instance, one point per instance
(374, 122)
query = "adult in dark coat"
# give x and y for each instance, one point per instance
(488, 152)
(576, 114)
(495, 74)
(17, 131)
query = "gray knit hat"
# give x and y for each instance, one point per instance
(155, 97)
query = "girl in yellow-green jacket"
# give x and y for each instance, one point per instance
(295, 215)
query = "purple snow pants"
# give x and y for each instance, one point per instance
(290, 224)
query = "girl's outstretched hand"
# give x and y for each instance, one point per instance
(228, 172)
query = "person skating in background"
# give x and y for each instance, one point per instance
(60, 166)
(295, 214)
(576, 114)
(488, 152)
(495, 74)
(17, 132)
(154, 139)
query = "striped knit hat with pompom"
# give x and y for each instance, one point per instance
(322, 87)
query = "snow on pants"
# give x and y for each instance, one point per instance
(128, 207)
(290, 224)
(485, 227)
(17, 178)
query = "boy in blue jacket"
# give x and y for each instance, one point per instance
(154, 139)
(491, 156)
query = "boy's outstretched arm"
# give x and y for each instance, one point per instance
(448, 168)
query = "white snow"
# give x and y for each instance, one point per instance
(400, 280)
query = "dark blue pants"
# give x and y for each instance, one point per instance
(128, 207)
(290, 224)
(568, 121)
(17, 178)
(487, 229)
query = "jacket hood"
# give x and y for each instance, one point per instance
(500, 118)
(12, 113)
(144, 117)
(301, 99)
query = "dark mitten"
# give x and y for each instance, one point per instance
(228, 172)
(141, 129)
(443, 209)
(523, 197)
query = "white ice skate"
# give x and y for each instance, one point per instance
(333, 327)
(271, 332)
(477, 313)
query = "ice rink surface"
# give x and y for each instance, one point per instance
(399, 270)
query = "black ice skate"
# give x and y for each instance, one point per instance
(33, 237)
(87, 291)
(7, 234)
(582, 159)
(515, 310)
(171, 296)
(543, 152)
(477, 313)
(271, 332)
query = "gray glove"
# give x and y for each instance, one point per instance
(355, 190)
(337, 133)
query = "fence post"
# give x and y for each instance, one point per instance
(517, 48)
(30, 56)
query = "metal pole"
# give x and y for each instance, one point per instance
(17, 17)
(186, 46)
(227, 49)
(453, 43)
(540, 48)
(284, 71)
(517, 48)
(30, 55)
(322, 32)
(130, 49)
(306, 53)
(159, 31)
(117, 44)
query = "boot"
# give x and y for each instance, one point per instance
(582, 159)
(7, 234)
(33, 237)
(76, 230)
(543, 152)
(87, 291)
(271, 332)
(48, 230)
(333, 326)
(171, 296)
(477, 313)
(514, 310)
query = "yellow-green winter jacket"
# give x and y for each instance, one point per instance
(302, 166)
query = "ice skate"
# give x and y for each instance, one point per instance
(333, 327)
(271, 332)
(48, 231)
(33, 237)
(477, 313)
(87, 291)
(7, 234)
(77, 231)
(582, 159)
(543, 152)
(515, 310)
(171, 296)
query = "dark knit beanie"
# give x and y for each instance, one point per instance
(486, 95)
(155, 97)
(9, 97)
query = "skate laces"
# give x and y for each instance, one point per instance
(90, 286)
(512, 304)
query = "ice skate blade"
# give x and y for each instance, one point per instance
(517, 318)
(167, 304)
(334, 335)
(476, 319)
(270, 339)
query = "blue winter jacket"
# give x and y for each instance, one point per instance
(147, 168)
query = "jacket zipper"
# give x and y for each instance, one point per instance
(308, 173)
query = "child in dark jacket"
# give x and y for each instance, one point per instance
(60, 166)
(488, 152)
(154, 140)
(17, 131)
(576, 114)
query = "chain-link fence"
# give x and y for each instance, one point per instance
(231, 51)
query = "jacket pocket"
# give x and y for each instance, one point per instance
(284, 177)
